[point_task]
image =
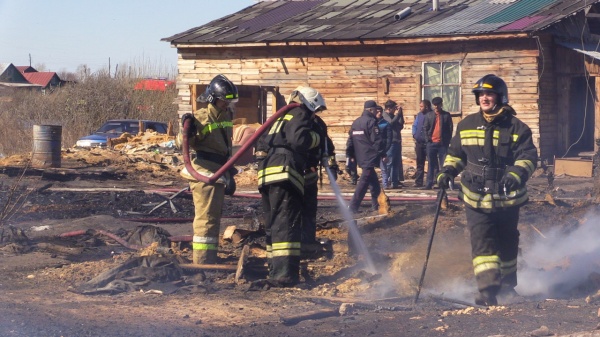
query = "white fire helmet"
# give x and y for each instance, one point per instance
(309, 97)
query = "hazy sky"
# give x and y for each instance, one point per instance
(64, 34)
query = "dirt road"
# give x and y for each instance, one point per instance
(42, 276)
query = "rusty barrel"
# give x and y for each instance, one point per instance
(46, 145)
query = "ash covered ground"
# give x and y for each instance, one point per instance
(53, 244)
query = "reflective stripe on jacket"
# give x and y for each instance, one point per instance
(213, 136)
(287, 144)
(511, 150)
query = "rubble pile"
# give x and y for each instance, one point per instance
(148, 138)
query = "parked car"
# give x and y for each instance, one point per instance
(116, 127)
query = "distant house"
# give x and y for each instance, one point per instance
(408, 50)
(19, 77)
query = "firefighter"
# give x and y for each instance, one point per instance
(323, 155)
(210, 136)
(281, 182)
(494, 150)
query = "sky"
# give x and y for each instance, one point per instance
(62, 35)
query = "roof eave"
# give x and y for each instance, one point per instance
(395, 40)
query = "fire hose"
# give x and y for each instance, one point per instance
(212, 179)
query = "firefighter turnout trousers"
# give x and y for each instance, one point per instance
(494, 247)
(282, 206)
(208, 205)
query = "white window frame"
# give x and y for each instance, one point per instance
(456, 110)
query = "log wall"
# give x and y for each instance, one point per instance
(347, 76)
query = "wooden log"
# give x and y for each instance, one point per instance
(452, 300)
(378, 304)
(241, 263)
(59, 249)
(316, 314)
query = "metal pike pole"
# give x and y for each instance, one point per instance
(440, 198)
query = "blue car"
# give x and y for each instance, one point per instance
(115, 128)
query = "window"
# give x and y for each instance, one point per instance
(442, 79)
(160, 128)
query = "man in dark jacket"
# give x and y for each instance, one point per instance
(420, 138)
(438, 130)
(281, 182)
(394, 169)
(495, 153)
(364, 147)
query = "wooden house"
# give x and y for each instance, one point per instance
(18, 77)
(547, 51)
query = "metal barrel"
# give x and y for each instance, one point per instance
(46, 145)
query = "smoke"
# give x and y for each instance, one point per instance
(455, 288)
(564, 263)
(558, 264)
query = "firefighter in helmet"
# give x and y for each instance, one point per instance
(209, 135)
(323, 155)
(494, 152)
(281, 173)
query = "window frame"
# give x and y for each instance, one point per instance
(442, 85)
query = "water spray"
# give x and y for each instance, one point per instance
(353, 232)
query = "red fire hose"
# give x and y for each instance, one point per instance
(237, 155)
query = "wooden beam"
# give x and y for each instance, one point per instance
(402, 40)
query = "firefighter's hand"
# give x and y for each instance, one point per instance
(510, 182)
(192, 127)
(334, 169)
(445, 179)
(260, 155)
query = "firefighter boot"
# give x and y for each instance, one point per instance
(508, 295)
(486, 298)
(204, 256)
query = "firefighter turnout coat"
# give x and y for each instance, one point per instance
(484, 151)
(212, 141)
(287, 144)
(318, 154)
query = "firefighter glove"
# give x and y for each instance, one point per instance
(192, 127)
(229, 184)
(510, 182)
(260, 155)
(445, 179)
